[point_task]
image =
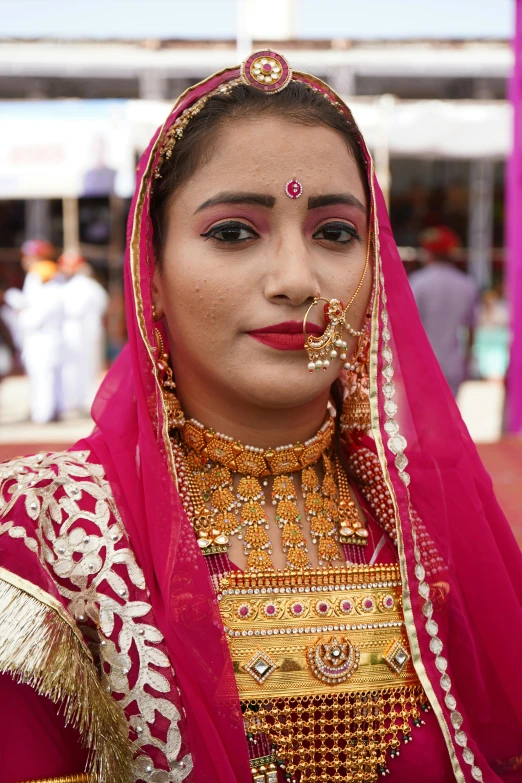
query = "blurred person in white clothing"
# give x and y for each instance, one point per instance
(446, 299)
(41, 321)
(12, 304)
(33, 253)
(85, 303)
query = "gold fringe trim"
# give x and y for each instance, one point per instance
(41, 646)
(84, 777)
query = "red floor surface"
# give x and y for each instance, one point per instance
(502, 460)
(12, 450)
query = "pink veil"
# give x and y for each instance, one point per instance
(462, 608)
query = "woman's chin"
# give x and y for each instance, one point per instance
(284, 386)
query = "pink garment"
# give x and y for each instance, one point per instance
(467, 649)
(34, 742)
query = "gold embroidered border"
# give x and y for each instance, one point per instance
(60, 667)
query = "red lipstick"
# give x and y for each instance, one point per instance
(286, 336)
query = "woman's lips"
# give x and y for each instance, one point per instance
(287, 336)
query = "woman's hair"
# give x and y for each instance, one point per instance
(297, 103)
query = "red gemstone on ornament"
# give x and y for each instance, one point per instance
(293, 189)
(267, 67)
(337, 312)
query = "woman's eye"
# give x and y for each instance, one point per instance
(342, 233)
(231, 233)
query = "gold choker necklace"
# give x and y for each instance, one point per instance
(252, 461)
(218, 510)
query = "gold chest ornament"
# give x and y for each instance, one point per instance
(323, 669)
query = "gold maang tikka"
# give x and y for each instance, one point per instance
(331, 344)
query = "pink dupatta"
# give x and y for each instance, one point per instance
(465, 628)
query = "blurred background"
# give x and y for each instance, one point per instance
(435, 89)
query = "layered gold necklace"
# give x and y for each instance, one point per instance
(222, 507)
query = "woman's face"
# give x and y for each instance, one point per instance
(241, 256)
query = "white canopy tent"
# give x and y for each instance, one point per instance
(46, 147)
(469, 129)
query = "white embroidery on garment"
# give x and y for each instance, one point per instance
(82, 565)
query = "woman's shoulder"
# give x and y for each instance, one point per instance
(60, 527)
(24, 473)
(64, 551)
(55, 516)
(48, 502)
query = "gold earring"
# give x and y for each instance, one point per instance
(175, 416)
(356, 413)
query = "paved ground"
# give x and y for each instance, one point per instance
(502, 458)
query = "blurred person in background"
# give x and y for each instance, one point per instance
(85, 303)
(8, 348)
(11, 305)
(446, 299)
(99, 180)
(264, 612)
(491, 344)
(41, 321)
(35, 252)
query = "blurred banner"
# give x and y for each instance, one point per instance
(71, 148)
(418, 128)
(76, 148)
(514, 238)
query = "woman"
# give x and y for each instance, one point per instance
(266, 612)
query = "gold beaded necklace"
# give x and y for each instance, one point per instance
(219, 511)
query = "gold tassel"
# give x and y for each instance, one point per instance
(41, 646)
(356, 414)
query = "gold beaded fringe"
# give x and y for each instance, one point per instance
(38, 647)
(338, 737)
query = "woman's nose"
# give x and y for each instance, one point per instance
(291, 278)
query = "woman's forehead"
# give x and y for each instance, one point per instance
(271, 151)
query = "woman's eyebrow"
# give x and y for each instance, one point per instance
(335, 198)
(259, 199)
